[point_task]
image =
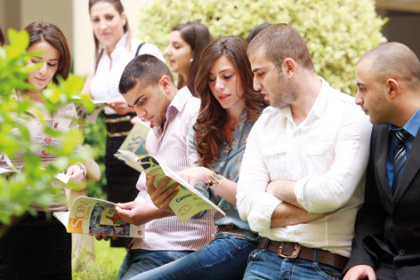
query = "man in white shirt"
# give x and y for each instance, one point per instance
(147, 86)
(300, 183)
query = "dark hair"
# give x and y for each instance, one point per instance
(208, 136)
(280, 41)
(120, 9)
(40, 31)
(256, 30)
(2, 39)
(145, 69)
(198, 37)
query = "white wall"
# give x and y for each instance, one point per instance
(58, 12)
(3, 16)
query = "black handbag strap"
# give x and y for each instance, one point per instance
(138, 49)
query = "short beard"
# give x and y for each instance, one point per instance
(284, 94)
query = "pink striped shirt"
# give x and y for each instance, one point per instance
(170, 146)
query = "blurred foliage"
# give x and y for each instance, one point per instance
(95, 136)
(337, 32)
(104, 267)
(33, 184)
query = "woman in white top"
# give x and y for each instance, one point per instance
(114, 49)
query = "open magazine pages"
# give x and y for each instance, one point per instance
(188, 202)
(95, 216)
(63, 178)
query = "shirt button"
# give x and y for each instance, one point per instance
(401, 252)
(56, 124)
(45, 153)
(48, 140)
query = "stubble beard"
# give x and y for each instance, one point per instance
(284, 94)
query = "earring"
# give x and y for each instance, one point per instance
(191, 60)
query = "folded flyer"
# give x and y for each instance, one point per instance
(135, 141)
(83, 112)
(188, 201)
(95, 216)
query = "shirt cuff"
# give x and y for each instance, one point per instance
(259, 219)
(300, 193)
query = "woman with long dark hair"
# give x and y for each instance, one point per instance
(114, 49)
(39, 247)
(186, 43)
(229, 108)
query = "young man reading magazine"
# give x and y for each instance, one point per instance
(148, 86)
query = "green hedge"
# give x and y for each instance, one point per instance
(337, 32)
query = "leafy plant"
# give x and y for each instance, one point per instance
(34, 184)
(95, 136)
(337, 32)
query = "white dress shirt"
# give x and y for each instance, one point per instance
(170, 145)
(326, 155)
(104, 85)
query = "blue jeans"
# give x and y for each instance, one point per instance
(222, 258)
(138, 261)
(263, 264)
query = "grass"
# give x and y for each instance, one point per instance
(105, 266)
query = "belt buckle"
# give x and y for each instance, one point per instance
(294, 254)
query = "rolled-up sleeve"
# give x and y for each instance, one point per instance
(332, 190)
(255, 205)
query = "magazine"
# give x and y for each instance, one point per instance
(136, 139)
(95, 216)
(83, 112)
(188, 201)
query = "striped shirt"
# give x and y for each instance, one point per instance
(170, 145)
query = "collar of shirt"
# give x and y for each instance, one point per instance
(175, 107)
(412, 126)
(118, 48)
(316, 110)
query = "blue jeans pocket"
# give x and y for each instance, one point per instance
(327, 272)
(239, 244)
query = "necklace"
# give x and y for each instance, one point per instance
(229, 133)
(230, 128)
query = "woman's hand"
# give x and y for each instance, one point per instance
(120, 105)
(75, 173)
(159, 198)
(195, 174)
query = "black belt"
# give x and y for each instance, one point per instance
(118, 125)
(291, 250)
(227, 228)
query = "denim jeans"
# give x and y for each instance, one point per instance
(138, 261)
(263, 264)
(222, 258)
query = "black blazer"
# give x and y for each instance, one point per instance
(388, 227)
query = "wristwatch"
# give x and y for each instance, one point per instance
(215, 177)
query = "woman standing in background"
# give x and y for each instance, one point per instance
(186, 42)
(114, 49)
